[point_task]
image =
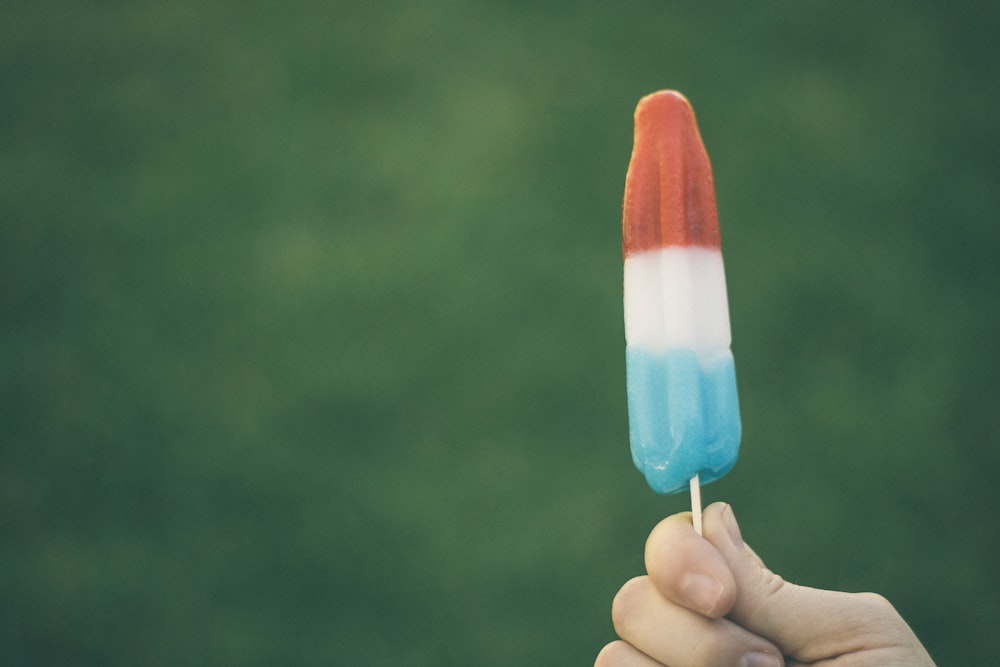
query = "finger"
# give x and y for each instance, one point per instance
(689, 570)
(623, 654)
(679, 637)
(804, 622)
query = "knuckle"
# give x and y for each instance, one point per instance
(770, 591)
(705, 651)
(628, 603)
(664, 541)
(875, 602)
(878, 609)
(720, 644)
(614, 654)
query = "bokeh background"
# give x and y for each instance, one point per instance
(312, 349)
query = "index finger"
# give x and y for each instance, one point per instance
(687, 569)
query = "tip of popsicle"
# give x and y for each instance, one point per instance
(664, 97)
(669, 189)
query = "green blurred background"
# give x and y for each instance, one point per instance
(312, 345)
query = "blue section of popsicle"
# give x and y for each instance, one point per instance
(683, 417)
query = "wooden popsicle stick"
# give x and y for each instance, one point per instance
(696, 503)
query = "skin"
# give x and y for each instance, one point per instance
(710, 602)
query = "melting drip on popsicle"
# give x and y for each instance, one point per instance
(684, 420)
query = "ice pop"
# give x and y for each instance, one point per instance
(684, 421)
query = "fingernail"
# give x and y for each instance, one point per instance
(702, 590)
(756, 659)
(732, 527)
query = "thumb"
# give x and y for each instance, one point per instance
(807, 624)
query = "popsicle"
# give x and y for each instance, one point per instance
(684, 420)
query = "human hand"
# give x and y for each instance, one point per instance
(710, 602)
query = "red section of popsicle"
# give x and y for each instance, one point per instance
(669, 190)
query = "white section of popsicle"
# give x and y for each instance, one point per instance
(675, 297)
